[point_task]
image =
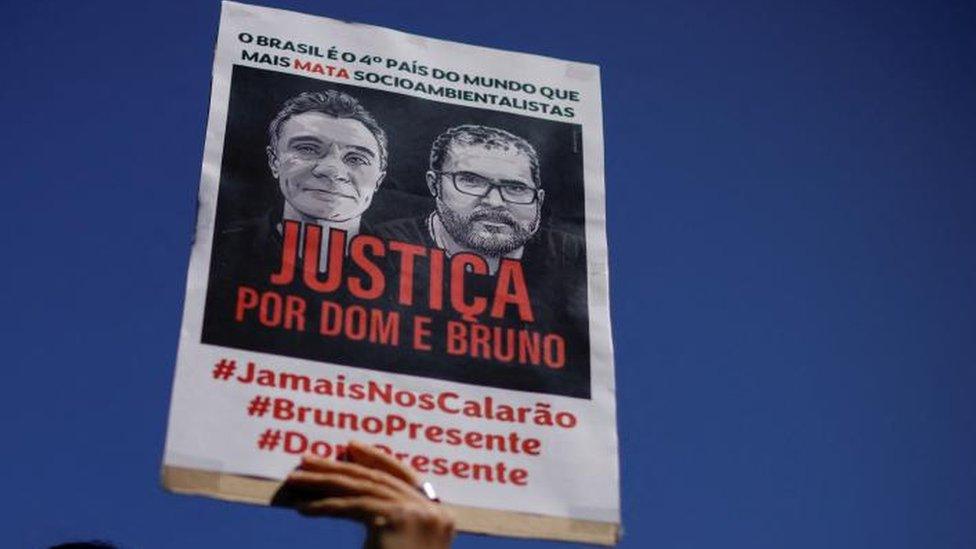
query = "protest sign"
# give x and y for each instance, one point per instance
(400, 240)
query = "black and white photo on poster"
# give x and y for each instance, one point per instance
(377, 230)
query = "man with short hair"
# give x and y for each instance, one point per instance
(328, 156)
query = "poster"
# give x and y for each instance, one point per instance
(400, 240)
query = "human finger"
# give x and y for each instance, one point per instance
(330, 484)
(321, 465)
(362, 508)
(375, 458)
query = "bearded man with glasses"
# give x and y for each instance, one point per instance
(488, 196)
(485, 182)
(488, 201)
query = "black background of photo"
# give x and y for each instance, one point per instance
(248, 192)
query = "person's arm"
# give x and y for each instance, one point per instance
(378, 491)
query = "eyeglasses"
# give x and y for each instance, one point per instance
(514, 192)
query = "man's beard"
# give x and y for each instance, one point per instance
(463, 231)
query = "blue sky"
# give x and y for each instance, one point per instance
(790, 192)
